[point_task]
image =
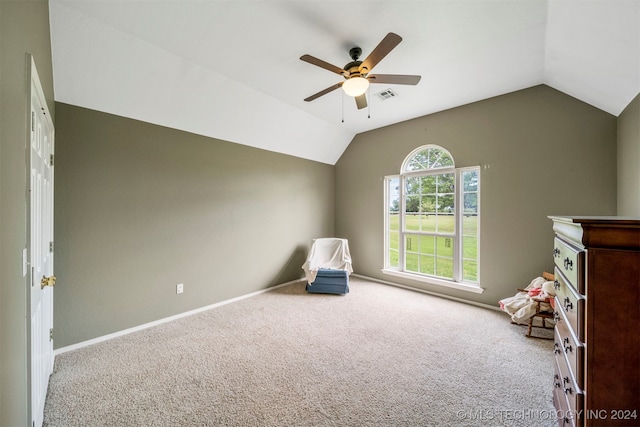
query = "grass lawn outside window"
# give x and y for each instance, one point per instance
(432, 220)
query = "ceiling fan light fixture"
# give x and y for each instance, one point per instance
(355, 86)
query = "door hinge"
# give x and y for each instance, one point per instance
(33, 271)
(51, 160)
(33, 121)
(51, 246)
(51, 334)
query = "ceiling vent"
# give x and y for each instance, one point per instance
(386, 94)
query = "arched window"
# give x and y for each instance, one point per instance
(432, 220)
(426, 158)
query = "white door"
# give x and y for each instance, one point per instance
(41, 247)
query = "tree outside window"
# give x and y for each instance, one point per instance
(432, 217)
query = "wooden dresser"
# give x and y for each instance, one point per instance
(597, 311)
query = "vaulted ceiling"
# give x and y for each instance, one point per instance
(231, 69)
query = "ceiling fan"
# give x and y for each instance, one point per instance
(356, 73)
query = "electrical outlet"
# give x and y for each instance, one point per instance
(179, 288)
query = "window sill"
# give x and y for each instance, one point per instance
(434, 281)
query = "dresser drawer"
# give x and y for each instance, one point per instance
(566, 380)
(566, 418)
(571, 262)
(571, 302)
(566, 344)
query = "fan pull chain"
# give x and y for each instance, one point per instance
(342, 106)
(369, 103)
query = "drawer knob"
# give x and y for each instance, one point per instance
(568, 390)
(568, 349)
(556, 252)
(556, 285)
(568, 264)
(566, 380)
(568, 305)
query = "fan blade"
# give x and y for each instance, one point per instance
(324, 92)
(361, 101)
(396, 79)
(322, 64)
(387, 44)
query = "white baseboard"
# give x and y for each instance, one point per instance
(411, 288)
(166, 319)
(221, 303)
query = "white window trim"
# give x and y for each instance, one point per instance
(458, 282)
(386, 211)
(462, 286)
(460, 218)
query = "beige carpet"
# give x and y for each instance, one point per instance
(379, 356)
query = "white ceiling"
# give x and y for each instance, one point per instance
(230, 69)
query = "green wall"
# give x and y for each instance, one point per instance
(24, 28)
(629, 160)
(140, 208)
(541, 153)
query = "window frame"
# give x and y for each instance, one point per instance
(458, 281)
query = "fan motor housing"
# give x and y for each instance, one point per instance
(353, 68)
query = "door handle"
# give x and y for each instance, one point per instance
(47, 281)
